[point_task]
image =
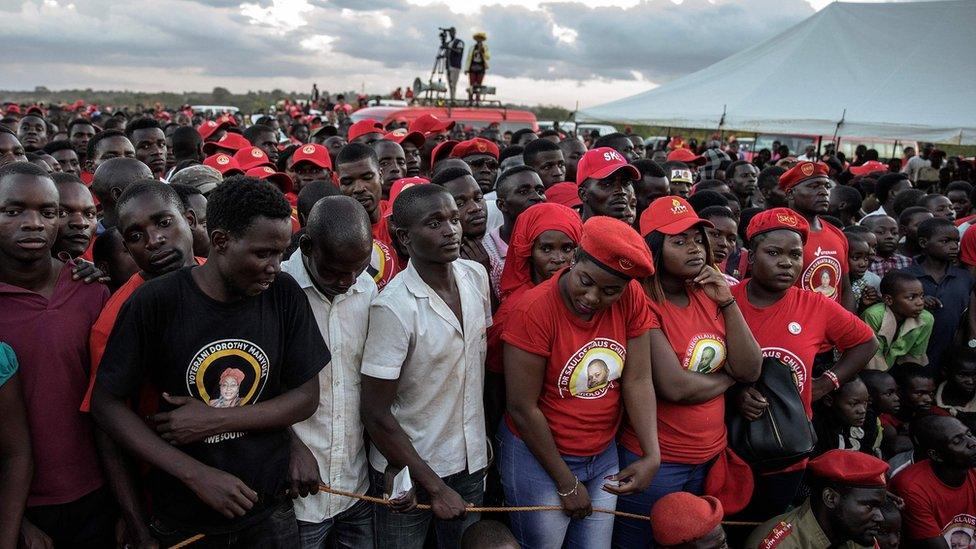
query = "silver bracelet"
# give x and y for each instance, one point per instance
(571, 492)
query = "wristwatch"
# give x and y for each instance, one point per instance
(972, 343)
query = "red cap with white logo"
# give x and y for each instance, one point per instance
(603, 162)
(670, 215)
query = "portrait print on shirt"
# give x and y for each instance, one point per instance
(960, 533)
(592, 369)
(706, 353)
(823, 274)
(226, 374)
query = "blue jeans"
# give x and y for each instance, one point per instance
(671, 477)
(527, 483)
(351, 529)
(409, 530)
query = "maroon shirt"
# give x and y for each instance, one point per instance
(50, 339)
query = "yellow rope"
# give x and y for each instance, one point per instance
(423, 506)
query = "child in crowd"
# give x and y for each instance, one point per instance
(886, 257)
(917, 394)
(843, 420)
(957, 394)
(885, 404)
(488, 534)
(900, 322)
(908, 222)
(890, 535)
(864, 283)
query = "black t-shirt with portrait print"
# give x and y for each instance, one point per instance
(225, 354)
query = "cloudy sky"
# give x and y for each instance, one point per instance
(548, 52)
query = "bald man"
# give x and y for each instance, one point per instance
(111, 178)
(331, 269)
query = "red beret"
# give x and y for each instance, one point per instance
(266, 173)
(252, 157)
(603, 162)
(681, 517)
(364, 127)
(230, 143)
(314, 153)
(617, 246)
(670, 215)
(565, 193)
(775, 219)
(475, 146)
(223, 163)
(849, 467)
(801, 172)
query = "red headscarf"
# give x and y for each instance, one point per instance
(517, 275)
(529, 225)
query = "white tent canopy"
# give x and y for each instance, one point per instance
(895, 70)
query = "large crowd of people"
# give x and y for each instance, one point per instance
(302, 331)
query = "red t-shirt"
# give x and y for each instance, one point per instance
(795, 328)
(963, 220)
(580, 396)
(383, 264)
(935, 509)
(689, 433)
(967, 247)
(381, 231)
(824, 261)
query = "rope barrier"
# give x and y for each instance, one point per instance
(424, 506)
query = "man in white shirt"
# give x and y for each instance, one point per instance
(423, 374)
(329, 447)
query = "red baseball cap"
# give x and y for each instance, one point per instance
(428, 124)
(849, 467)
(314, 153)
(670, 215)
(400, 135)
(565, 193)
(13, 108)
(682, 517)
(442, 151)
(230, 143)
(776, 219)
(801, 172)
(209, 127)
(686, 156)
(617, 246)
(223, 163)
(364, 127)
(603, 162)
(266, 173)
(252, 157)
(475, 146)
(870, 166)
(398, 187)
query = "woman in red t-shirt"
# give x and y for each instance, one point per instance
(544, 240)
(702, 348)
(792, 326)
(577, 355)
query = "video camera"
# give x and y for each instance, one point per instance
(445, 32)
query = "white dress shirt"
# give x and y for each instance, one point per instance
(415, 338)
(334, 433)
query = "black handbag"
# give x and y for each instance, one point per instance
(783, 435)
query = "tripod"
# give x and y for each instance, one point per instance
(440, 71)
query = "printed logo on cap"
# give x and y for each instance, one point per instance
(610, 156)
(223, 137)
(680, 175)
(625, 263)
(677, 208)
(399, 132)
(787, 219)
(267, 170)
(223, 159)
(807, 169)
(480, 146)
(209, 123)
(308, 149)
(257, 153)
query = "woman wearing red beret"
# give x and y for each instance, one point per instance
(702, 347)
(792, 325)
(577, 355)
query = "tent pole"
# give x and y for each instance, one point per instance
(837, 129)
